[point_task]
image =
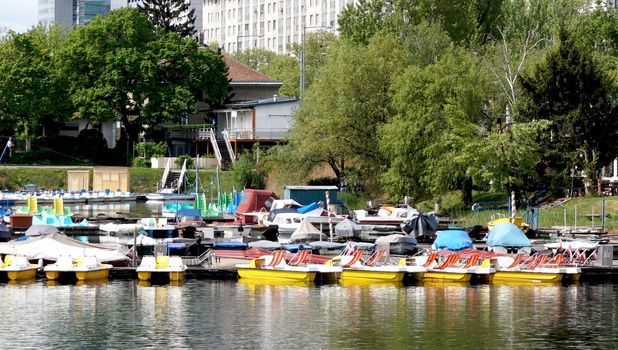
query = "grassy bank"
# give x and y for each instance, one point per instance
(576, 212)
(142, 180)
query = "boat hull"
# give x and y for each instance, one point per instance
(272, 274)
(92, 275)
(367, 275)
(447, 276)
(172, 275)
(22, 274)
(527, 276)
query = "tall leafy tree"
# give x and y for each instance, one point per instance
(32, 90)
(121, 68)
(568, 90)
(338, 121)
(170, 15)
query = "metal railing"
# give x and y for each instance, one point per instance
(228, 144)
(256, 134)
(215, 147)
(199, 133)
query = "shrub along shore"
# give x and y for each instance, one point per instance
(143, 180)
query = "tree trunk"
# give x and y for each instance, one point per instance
(467, 192)
(28, 143)
(132, 130)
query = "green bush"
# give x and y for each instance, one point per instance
(149, 149)
(248, 173)
(141, 162)
(181, 159)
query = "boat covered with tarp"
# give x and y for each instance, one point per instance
(398, 244)
(306, 233)
(507, 235)
(452, 240)
(420, 224)
(50, 247)
(347, 229)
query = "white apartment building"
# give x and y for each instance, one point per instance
(270, 24)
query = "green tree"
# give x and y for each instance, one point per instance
(286, 68)
(170, 15)
(121, 68)
(567, 90)
(32, 91)
(465, 21)
(438, 109)
(338, 120)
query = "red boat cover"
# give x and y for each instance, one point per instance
(254, 200)
(253, 253)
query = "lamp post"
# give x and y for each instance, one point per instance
(302, 55)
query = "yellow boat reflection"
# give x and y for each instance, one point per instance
(443, 283)
(523, 283)
(92, 282)
(254, 282)
(369, 283)
(21, 282)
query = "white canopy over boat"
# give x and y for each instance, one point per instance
(50, 247)
(306, 232)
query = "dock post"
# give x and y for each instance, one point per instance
(603, 214)
(575, 217)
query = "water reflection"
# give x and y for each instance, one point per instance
(127, 314)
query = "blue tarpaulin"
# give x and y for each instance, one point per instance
(293, 248)
(506, 234)
(453, 240)
(189, 212)
(231, 245)
(307, 208)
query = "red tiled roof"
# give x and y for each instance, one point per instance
(242, 72)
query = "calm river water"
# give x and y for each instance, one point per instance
(227, 315)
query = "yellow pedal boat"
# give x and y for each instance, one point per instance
(17, 268)
(353, 269)
(80, 268)
(274, 267)
(161, 266)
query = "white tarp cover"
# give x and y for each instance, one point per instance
(51, 246)
(306, 232)
(347, 228)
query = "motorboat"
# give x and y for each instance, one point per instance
(81, 268)
(17, 268)
(398, 244)
(167, 267)
(386, 215)
(290, 217)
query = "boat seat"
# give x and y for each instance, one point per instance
(90, 262)
(375, 258)
(277, 258)
(64, 261)
(299, 258)
(176, 262)
(472, 260)
(519, 258)
(149, 262)
(355, 258)
(163, 261)
(430, 259)
(450, 260)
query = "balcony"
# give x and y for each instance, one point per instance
(256, 134)
(188, 132)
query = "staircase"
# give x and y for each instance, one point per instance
(172, 177)
(225, 154)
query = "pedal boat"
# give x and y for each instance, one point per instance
(17, 268)
(82, 268)
(354, 270)
(448, 270)
(161, 266)
(274, 267)
(518, 269)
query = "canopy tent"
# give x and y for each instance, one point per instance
(506, 234)
(421, 224)
(50, 247)
(347, 228)
(306, 232)
(453, 240)
(41, 230)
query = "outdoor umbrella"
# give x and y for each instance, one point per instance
(421, 224)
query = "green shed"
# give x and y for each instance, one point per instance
(309, 194)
